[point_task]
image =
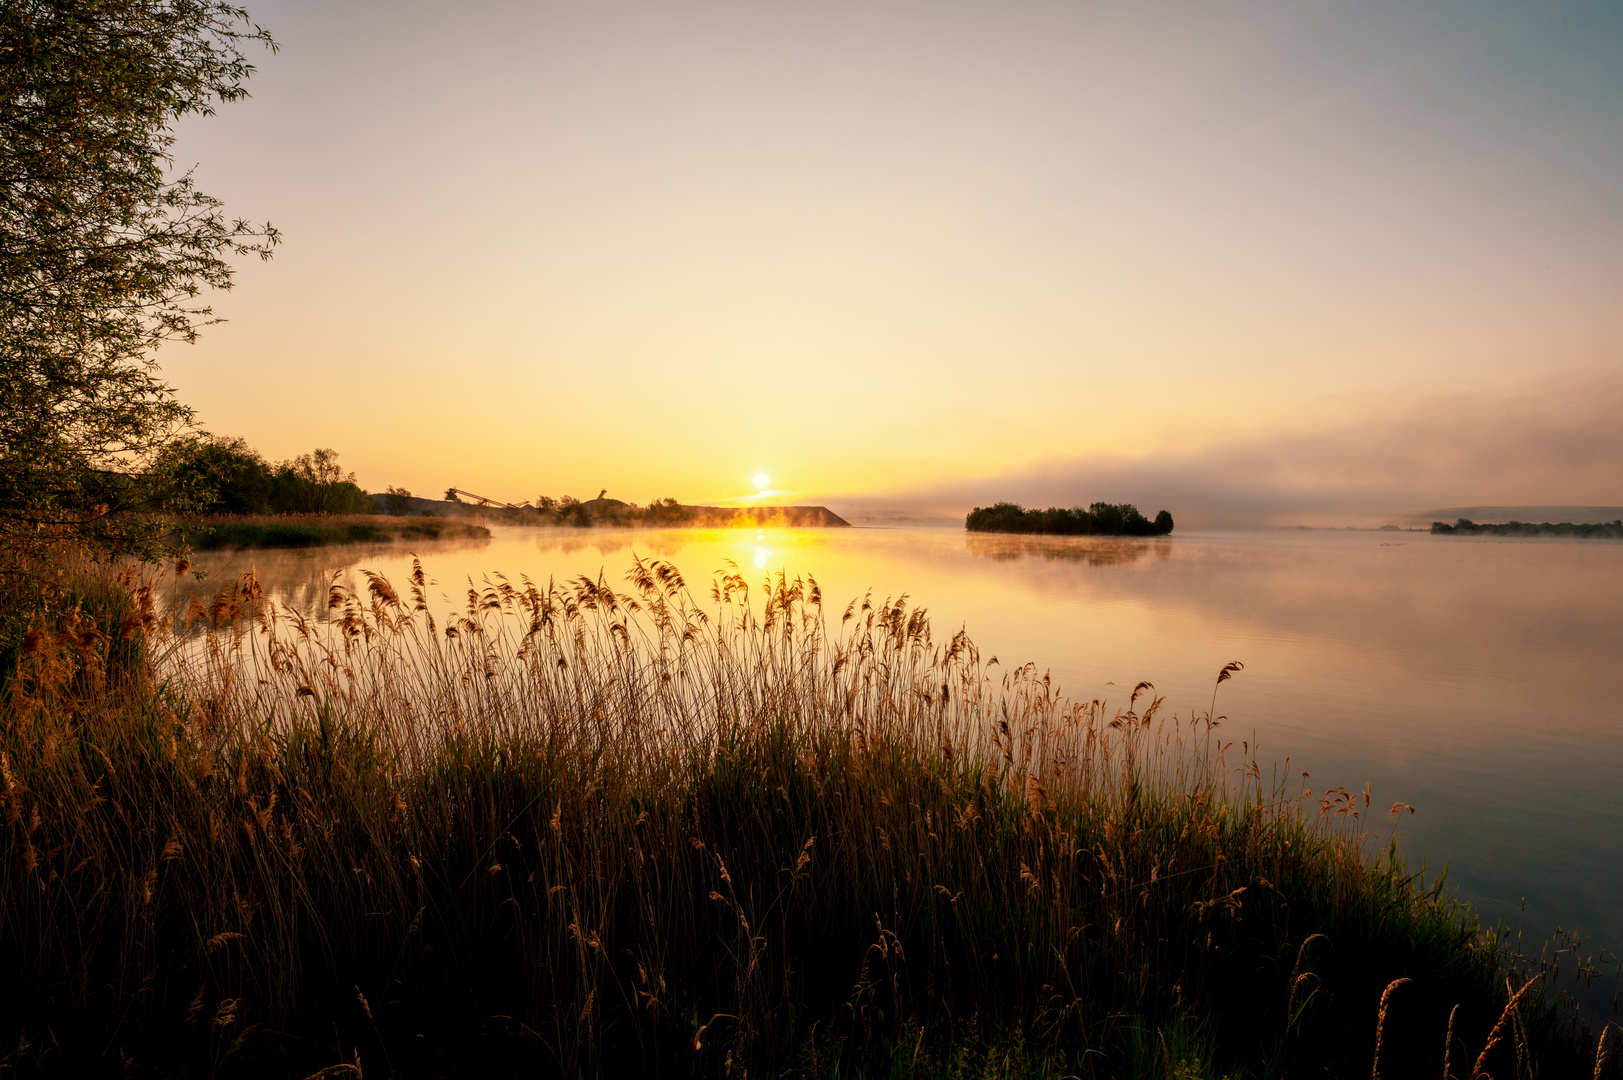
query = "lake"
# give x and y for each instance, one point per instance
(1479, 680)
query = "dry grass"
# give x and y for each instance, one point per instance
(577, 830)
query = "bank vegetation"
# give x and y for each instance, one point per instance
(588, 828)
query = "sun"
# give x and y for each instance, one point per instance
(761, 481)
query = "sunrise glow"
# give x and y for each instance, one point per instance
(1250, 261)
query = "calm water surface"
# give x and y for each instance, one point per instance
(1479, 680)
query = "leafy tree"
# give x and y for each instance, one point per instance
(314, 483)
(220, 475)
(666, 511)
(397, 501)
(104, 251)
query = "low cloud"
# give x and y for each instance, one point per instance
(1556, 442)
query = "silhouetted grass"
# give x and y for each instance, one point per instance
(574, 831)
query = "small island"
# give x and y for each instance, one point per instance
(1100, 519)
(1601, 530)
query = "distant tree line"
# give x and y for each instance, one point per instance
(565, 511)
(602, 512)
(227, 476)
(217, 475)
(570, 511)
(1612, 530)
(1100, 519)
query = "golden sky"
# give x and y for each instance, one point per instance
(882, 251)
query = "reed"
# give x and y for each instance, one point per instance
(588, 828)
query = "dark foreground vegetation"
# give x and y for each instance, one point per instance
(575, 832)
(1609, 530)
(1100, 519)
(317, 530)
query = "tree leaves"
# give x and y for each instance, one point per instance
(104, 252)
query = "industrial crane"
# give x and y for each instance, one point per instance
(451, 495)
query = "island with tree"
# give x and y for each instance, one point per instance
(1597, 530)
(1100, 519)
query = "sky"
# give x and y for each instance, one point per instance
(1251, 262)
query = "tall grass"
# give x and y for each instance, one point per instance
(576, 830)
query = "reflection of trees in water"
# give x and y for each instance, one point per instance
(1093, 550)
(298, 578)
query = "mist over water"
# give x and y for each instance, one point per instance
(1475, 679)
(1392, 458)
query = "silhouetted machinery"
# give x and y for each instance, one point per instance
(457, 495)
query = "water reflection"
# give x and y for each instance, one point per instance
(299, 578)
(661, 543)
(1092, 550)
(1526, 623)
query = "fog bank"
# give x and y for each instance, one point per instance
(1557, 442)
